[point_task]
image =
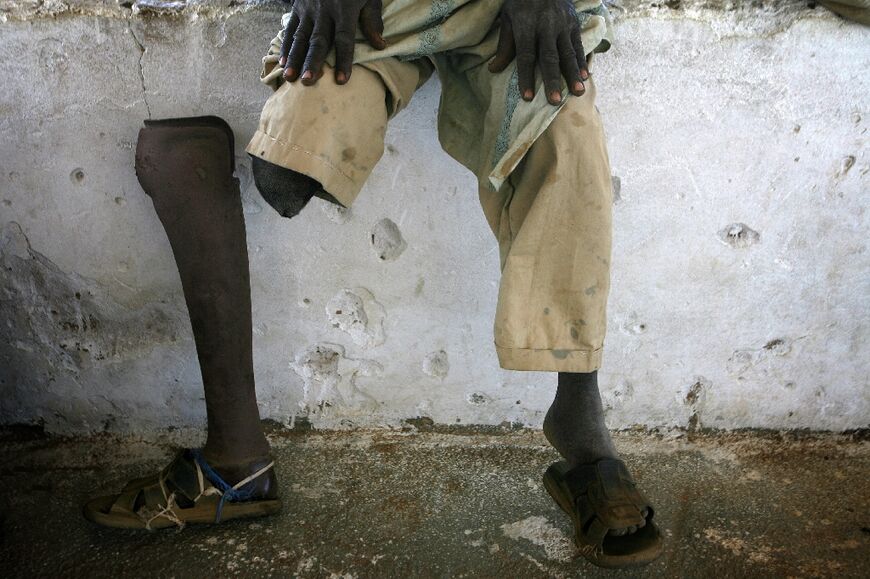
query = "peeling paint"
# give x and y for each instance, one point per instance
(694, 398)
(616, 396)
(330, 379)
(436, 364)
(387, 240)
(357, 313)
(739, 235)
(741, 361)
(61, 325)
(477, 398)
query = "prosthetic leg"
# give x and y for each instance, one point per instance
(186, 167)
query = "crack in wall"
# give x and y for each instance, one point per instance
(141, 63)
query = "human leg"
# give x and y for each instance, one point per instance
(574, 424)
(553, 221)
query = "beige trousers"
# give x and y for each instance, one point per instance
(552, 216)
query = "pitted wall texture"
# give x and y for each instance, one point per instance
(738, 136)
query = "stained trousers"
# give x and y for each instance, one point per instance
(551, 215)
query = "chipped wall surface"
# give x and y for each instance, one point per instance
(738, 137)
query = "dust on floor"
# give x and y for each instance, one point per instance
(440, 504)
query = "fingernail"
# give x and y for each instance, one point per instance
(528, 94)
(578, 87)
(307, 75)
(341, 78)
(556, 96)
(290, 73)
(584, 74)
(283, 62)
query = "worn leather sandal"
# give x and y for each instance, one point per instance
(601, 497)
(187, 491)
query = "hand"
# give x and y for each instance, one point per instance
(318, 25)
(547, 31)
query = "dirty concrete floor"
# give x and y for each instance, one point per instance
(441, 504)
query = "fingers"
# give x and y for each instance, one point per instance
(299, 49)
(344, 48)
(568, 64)
(318, 48)
(580, 52)
(371, 22)
(525, 53)
(548, 61)
(507, 50)
(289, 33)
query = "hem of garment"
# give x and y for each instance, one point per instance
(555, 360)
(309, 163)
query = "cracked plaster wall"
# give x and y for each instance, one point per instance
(738, 137)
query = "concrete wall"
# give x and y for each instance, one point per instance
(738, 136)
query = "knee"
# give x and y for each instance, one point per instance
(287, 191)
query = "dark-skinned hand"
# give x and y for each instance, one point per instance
(318, 25)
(546, 32)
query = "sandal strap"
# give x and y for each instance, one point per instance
(218, 486)
(187, 479)
(606, 497)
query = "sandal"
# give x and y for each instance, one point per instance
(186, 491)
(600, 497)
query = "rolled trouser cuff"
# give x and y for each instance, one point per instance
(290, 156)
(580, 361)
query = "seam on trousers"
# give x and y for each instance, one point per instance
(300, 149)
(554, 360)
(584, 352)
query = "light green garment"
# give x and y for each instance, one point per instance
(482, 122)
(858, 10)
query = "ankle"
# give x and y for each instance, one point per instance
(259, 474)
(238, 460)
(578, 434)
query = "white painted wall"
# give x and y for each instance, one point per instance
(715, 117)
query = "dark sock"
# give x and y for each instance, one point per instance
(287, 191)
(574, 424)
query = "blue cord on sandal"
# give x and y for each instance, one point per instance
(228, 493)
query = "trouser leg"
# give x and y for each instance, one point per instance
(553, 221)
(332, 134)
